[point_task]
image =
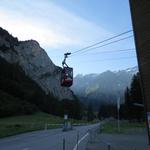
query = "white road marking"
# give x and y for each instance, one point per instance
(75, 148)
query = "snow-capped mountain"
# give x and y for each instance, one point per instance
(103, 87)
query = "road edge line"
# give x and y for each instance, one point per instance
(75, 147)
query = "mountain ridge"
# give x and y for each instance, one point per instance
(104, 87)
(35, 62)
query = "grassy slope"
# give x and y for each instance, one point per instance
(125, 126)
(38, 121)
(14, 125)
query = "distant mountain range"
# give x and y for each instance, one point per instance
(104, 87)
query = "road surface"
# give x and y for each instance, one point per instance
(48, 139)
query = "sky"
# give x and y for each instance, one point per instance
(62, 26)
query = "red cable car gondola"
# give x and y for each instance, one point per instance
(67, 73)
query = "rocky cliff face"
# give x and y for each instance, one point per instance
(35, 62)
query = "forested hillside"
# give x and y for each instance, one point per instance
(133, 107)
(35, 62)
(21, 95)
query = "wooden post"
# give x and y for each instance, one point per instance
(64, 143)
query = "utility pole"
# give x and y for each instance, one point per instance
(118, 113)
(140, 13)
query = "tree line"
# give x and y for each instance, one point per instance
(132, 109)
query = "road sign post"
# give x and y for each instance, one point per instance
(63, 143)
(118, 113)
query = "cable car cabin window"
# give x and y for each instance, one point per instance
(67, 76)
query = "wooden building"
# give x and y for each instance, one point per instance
(140, 13)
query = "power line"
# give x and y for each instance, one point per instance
(110, 51)
(87, 47)
(109, 59)
(85, 50)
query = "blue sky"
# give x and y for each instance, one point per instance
(68, 25)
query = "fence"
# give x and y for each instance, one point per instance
(89, 136)
(97, 143)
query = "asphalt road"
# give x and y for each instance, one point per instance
(48, 139)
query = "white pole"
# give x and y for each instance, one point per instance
(118, 109)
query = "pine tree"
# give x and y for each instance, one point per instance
(90, 113)
(128, 105)
(136, 97)
(133, 96)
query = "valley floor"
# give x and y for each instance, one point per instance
(39, 121)
(130, 141)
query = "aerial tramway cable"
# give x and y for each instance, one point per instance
(100, 42)
(91, 48)
(67, 72)
(110, 51)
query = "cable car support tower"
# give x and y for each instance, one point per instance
(64, 61)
